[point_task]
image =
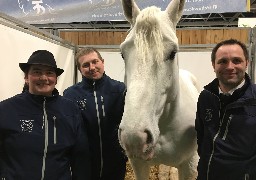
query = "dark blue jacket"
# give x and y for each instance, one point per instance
(42, 138)
(226, 134)
(102, 103)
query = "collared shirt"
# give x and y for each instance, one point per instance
(230, 92)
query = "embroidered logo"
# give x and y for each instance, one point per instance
(82, 104)
(26, 125)
(208, 115)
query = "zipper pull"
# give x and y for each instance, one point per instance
(93, 85)
(103, 107)
(44, 113)
(54, 130)
(227, 126)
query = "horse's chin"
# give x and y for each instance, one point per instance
(147, 154)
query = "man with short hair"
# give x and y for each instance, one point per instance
(101, 100)
(225, 119)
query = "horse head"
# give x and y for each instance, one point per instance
(151, 76)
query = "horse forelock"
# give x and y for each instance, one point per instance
(148, 37)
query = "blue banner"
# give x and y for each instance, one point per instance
(67, 11)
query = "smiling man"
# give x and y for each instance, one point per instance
(225, 119)
(101, 100)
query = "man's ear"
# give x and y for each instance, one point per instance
(213, 65)
(247, 63)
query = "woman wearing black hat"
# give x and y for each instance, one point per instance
(41, 132)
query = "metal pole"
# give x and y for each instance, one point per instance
(252, 52)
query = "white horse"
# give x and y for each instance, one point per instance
(160, 105)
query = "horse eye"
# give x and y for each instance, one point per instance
(172, 55)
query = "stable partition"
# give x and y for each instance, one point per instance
(18, 42)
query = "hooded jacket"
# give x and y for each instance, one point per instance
(42, 138)
(226, 133)
(101, 103)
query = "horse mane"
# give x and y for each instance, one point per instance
(148, 35)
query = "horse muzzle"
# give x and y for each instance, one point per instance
(137, 144)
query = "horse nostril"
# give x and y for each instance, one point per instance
(149, 137)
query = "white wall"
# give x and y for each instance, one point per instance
(199, 64)
(16, 46)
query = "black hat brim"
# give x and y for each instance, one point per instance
(24, 67)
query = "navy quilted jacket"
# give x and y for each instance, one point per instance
(101, 103)
(42, 138)
(227, 135)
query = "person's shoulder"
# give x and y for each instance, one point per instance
(116, 83)
(72, 89)
(13, 98)
(65, 99)
(66, 102)
(253, 86)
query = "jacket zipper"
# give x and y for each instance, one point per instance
(100, 136)
(103, 108)
(227, 126)
(246, 176)
(54, 130)
(45, 125)
(213, 142)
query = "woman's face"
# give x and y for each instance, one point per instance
(41, 79)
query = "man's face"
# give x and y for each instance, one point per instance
(91, 66)
(41, 80)
(230, 66)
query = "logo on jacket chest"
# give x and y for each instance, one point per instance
(82, 104)
(26, 125)
(208, 115)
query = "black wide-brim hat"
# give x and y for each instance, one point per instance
(42, 57)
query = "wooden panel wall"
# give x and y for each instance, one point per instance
(186, 37)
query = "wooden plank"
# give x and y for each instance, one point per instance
(89, 38)
(110, 38)
(179, 35)
(208, 36)
(193, 37)
(117, 39)
(81, 38)
(218, 36)
(103, 37)
(96, 37)
(245, 35)
(74, 37)
(185, 37)
(201, 36)
(123, 36)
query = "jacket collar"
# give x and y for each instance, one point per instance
(40, 98)
(213, 87)
(91, 82)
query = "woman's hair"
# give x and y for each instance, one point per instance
(26, 86)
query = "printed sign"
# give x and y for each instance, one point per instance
(67, 11)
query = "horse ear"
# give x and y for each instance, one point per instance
(175, 10)
(131, 10)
